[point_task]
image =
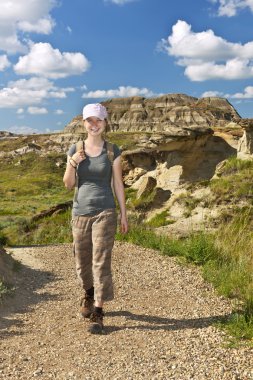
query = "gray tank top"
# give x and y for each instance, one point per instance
(94, 183)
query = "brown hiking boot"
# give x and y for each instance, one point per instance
(97, 326)
(87, 306)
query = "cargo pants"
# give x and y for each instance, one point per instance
(93, 239)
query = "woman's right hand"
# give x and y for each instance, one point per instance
(78, 156)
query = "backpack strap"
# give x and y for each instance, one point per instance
(79, 146)
(110, 155)
(110, 152)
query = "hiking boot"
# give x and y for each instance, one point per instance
(97, 326)
(87, 306)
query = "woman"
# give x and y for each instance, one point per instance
(94, 217)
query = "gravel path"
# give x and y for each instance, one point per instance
(160, 325)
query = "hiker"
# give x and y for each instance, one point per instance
(94, 167)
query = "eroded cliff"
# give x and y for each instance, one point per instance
(163, 113)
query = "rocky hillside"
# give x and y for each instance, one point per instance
(163, 113)
(163, 162)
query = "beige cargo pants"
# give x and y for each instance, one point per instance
(93, 239)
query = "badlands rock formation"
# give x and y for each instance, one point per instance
(173, 140)
(176, 138)
(173, 160)
(177, 142)
(245, 146)
(163, 113)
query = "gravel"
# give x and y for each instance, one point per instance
(159, 326)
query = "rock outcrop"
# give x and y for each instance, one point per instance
(147, 185)
(41, 144)
(174, 159)
(163, 113)
(245, 146)
(4, 134)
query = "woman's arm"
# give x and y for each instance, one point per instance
(69, 178)
(120, 193)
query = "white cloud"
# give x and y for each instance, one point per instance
(26, 16)
(51, 63)
(230, 8)
(59, 112)
(33, 83)
(22, 129)
(119, 2)
(28, 92)
(211, 94)
(43, 26)
(20, 111)
(232, 69)
(4, 62)
(37, 110)
(207, 56)
(121, 92)
(9, 41)
(69, 29)
(247, 94)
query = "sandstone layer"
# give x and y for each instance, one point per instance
(162, 113)
(245, 146)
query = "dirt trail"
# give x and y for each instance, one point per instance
(160, 325)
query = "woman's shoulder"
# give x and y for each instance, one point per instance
(116, 150)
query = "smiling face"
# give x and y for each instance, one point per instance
(94, 125)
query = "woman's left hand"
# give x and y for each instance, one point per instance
(123, 225)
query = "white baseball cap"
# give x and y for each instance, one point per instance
(96, 110)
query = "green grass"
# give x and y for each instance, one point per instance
(48, 230)
(29, 188)
(198, 248)
(139, 204)
(235, 165)
(235, 183)
(188, 202)
(144, 202)
(160, 219)
(129, 140)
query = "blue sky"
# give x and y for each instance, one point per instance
(58, 55)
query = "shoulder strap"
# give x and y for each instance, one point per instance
(110, 151)
(79, 146)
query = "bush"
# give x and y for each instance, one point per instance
(3, 238)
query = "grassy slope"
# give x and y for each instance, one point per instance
(28, 188)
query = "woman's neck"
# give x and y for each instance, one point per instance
(94, 140)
